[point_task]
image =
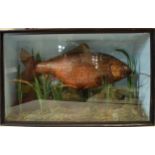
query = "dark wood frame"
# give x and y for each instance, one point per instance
(151, 121)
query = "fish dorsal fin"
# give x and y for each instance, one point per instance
(82, 48)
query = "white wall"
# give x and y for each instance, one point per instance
(144, 62)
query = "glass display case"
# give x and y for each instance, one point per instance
(77, 77)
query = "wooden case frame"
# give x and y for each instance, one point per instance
(151, 121)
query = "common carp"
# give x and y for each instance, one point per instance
(82, 69)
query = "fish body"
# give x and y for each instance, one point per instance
(81, 69)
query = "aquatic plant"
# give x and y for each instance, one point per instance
(43, 88)
(38, 57)
(57, 90)
(106, 88)
(36, 86)
(19, 88)
(132, 79)
(46, 89)
(32, 53)
(42, 85)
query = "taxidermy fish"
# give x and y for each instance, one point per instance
(81, 69)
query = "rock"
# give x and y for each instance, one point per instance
(71, 95)
(114, 94)
(97, 98)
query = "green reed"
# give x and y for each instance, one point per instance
(19, 88)
(57, 90)
(132, 79)
(42, 88)
(107, 88)
(42, 85)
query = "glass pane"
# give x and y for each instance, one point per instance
(77, 77)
